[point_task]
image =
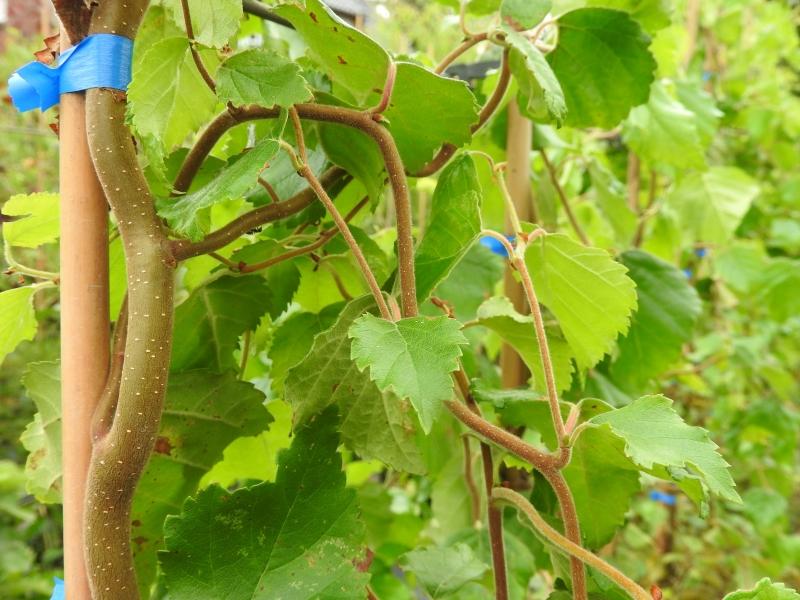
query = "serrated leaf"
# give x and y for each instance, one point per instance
(603, 65)
(498, 314)
(426, 111)
(39, 222)
(214, 23)
(259, 542)
(167, 97)
(603, 480)
(703, 107)
(373, 423)
(455, 222)
(765, 590)
(413, 357)
(656, 436)
(17, 319)
(540, 95)
(524, 14)
(711, 205)
(210, 321)
(668, 310)
(42, 437)
(239, 177)
(444, 571)
(664, 131)
(261, 77)
(351, 59)
(588, 292)
(203, 413)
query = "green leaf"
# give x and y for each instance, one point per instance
(656, 436)
(471, 281)
(587, 291)
(295, 538)
(522, 408)
(17, 319)
(765, 590)
(167, 97)
(603, 480)
(498, 314)
(540, 95)
(426, 111)
(603, 65)
(261, 77)
(209, 322)
(42, 437)
(711, 205)
(668, 310)
(350, 58)
(233, 183)
(373, 424)
(203, 413)
(524, 14)
(413, 357)
(703, 107)
(778, 287)
(214, 23)
(444, 571)
(39, 224)
(652, 14)
(357, 154)
(664, 131)
(455, 222)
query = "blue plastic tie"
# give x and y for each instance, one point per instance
(663, 497)
(496, 245)
(58, 589)
(102, 60)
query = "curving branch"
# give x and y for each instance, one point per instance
(567, 546)
(343, 116)
(448, 150)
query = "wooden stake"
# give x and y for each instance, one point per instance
(84, 323)
(518, 156)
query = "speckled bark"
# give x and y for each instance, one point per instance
(120, 455)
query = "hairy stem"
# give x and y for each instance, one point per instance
(187, 20)
(448, 150)
(469, 479)
(120, 455)
(572, 529)
(566, 545)
(455, 53)
(551, 170)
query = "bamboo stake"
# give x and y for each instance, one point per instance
(84, 323)
(518, 149)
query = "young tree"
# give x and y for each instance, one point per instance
(235, 180)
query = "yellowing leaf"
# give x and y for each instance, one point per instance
(39, 222)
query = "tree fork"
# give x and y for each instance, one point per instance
(120, 455)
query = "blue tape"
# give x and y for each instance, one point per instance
(58, 589)
(100, 60)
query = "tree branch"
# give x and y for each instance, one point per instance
(120, 455)
(566, 545)
(187, 20)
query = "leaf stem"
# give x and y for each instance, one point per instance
(245, 352)
(24, 270)
(568, 546)
(469, 479)
(388, 89)
(551, 170)
(187, 20)
(469, 42)
(306, 172)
